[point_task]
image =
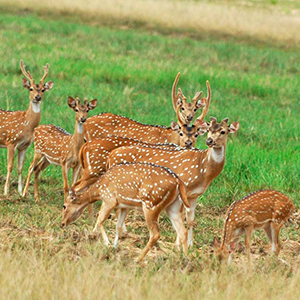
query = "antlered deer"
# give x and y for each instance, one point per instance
(266, 209)
(188, 110)
(53, 145)
(148, 187)
(16, 127)
(109, 124)
(196, 168)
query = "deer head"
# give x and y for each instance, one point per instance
(188, 134)
(217, 132)
(188, 110)
(36, 91)
(73, 207)
(81, 110)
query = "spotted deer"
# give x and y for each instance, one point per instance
(265, 209)
(188, 110)
(93, 154)
(148, 187)
(196, 168)
(106, 124)
(16, 127)
(54, 145)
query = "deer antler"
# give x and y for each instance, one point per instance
(207, 102)
(179, 117)
(46, 68)
(174, 96)
(26, 73)
(197, 96)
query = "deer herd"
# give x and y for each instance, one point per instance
(130, 165)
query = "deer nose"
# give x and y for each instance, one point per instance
(83, 119)
(209, 142)
(189, 118)
(188, 143)
(38, 98)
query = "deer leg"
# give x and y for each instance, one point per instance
(190, 216)
(21, 158)
(75, 174)
(42, 165)
(175, 215)
(152, 223)
(276, 245)
(65, 178)
(123, 225)
(104, 213)
(30, 170)
(91, 211)
(248, 231)
(268, 232)
(121, 217)
(10, 164)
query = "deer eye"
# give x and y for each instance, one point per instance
(182, 108)
(195, 109)
(31, 89)
(181, 134)
(43, 90)
(64, 207)
(87, 110)
(76, 109)
(196, 135)
(223, 132)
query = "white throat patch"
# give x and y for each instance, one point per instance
(217, 155)
(36, 107)
(79, 127)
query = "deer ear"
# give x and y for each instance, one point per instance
(71, 102)
(225, 120)
(92, 104)
(72, 194)
(215, 243)
(26, 83)
(175, 126)
(234, 127)
(202, 126)
(179, 102)
(200, 103)
(48, 85)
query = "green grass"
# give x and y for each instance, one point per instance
(131, 72)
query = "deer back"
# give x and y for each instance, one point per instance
(94, 153)
(53, 142)
(109, 124)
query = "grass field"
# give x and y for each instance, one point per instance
(131, 71)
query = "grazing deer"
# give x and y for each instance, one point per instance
(266, 209)
(188, 110)
(16, 127)
(106, 124)
(53, 145)
(148, 187)
(196, 168)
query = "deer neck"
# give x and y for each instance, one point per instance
(89, 194)
(78, 137)
(217, 156)
(33, 115)
(173, 137)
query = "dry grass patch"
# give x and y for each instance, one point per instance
(258, 22)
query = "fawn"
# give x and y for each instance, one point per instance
(54, 145)
(265, 209)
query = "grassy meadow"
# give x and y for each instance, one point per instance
(130, 67)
